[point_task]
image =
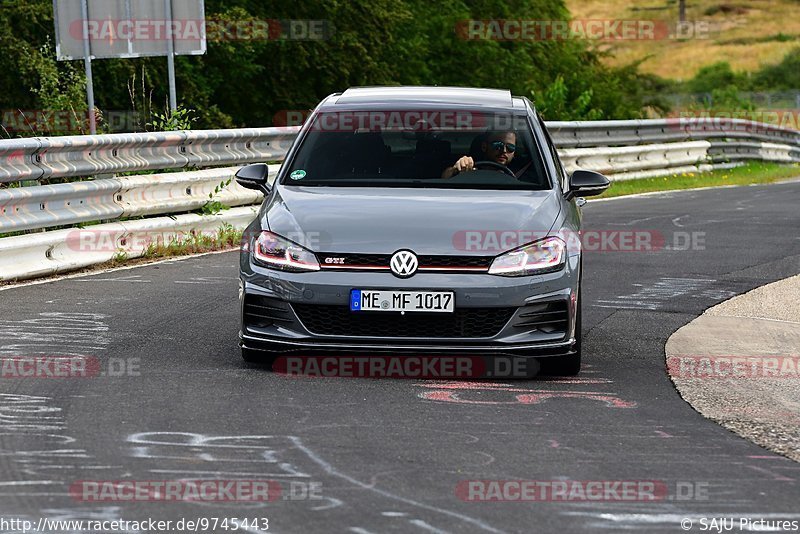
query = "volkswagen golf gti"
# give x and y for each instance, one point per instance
(417, 220)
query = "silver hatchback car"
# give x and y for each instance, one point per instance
(417, 219)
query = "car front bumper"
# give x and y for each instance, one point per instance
(519, 298)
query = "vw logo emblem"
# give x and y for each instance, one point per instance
(404, 263)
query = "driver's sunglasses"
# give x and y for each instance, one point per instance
(498, 145)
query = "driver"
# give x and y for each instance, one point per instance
(498, 147)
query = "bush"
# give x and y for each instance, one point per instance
(713, 77)
(783, 76)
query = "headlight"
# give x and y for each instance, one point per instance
(279, 253)
(543, 256)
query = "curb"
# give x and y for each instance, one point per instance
(738, 364)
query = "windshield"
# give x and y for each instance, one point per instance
(418, 149)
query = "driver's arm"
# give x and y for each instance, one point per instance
(464, 163)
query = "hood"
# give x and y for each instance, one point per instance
(426, 221)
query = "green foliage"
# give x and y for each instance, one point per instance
(60, 89)
(729, 99)
(750, 172)
(785, 75)
(555, 103)
(170, 121)
(24, 27)
(246, 82)
(213, 206)
(119, 256)
(713, 77)
(225, 237)
(720, 77)
(61, 85)
(724, 88)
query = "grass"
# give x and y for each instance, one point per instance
(226, 237)
(748, 34)
(750, 173)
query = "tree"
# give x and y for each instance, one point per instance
(246, 82)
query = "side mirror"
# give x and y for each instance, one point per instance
(583, 183)
(254, 177)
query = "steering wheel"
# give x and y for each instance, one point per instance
(498, 166)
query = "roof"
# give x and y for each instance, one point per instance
(456, 96)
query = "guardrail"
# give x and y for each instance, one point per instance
(620, 149)
(647, 131)
(47, 206)
(90, 155)
(47, 253)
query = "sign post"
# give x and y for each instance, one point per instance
(173, 99)
(87, 60)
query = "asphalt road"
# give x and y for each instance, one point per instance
(387, 454)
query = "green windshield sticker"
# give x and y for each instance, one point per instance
(297, 175)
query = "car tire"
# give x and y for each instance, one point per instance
(567, 365)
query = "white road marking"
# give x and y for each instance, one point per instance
(207, 280)
(31, 482)
(133, 279)
(425, 526)
(329, 469)
(652, 297)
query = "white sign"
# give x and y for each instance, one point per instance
(129, 28)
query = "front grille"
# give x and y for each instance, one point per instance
(455, 261)
(366, 260)
(545, 317)
(263, 311)
(425, 261)
(462, 323)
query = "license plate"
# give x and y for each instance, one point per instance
(405, 301)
